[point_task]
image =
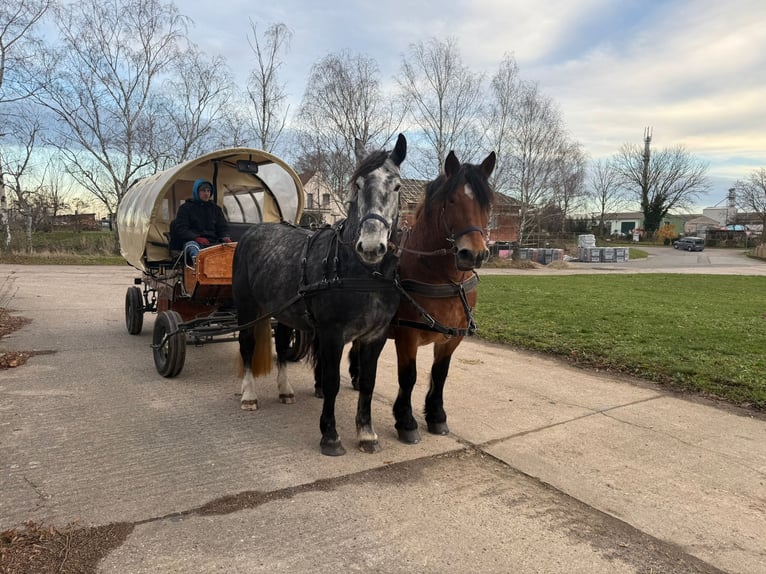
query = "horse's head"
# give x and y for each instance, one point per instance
(467, 198)
(375, 194)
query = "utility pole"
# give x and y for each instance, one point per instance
(647, 153)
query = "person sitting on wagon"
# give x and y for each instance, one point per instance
(199, 223)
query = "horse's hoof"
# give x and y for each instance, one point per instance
(438, 428)
(249, 405)
(331, 447)
(287, 399)
(411, 436)
(355, 383)
(369, 446)
(318, 393)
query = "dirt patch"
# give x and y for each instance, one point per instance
(42, 549)
(8, 324)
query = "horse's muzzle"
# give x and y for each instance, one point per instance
(371, 252)
(467, 259)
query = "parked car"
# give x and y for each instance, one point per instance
(689, 244)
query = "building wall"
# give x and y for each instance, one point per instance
(319, 200)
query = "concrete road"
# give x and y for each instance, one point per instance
(548, 468)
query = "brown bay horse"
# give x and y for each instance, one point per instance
(438, 256)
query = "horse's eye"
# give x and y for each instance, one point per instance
(398, 187)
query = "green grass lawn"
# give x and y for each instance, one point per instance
(705, 333)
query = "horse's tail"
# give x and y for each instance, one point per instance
(262, 357)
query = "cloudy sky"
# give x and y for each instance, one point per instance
(693, 70)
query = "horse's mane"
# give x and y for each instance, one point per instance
(369, 164)
(441, 188)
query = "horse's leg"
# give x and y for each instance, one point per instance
(318, 392)
(255, 351)
(406, 355)
(330, 355)
(282, 336)
(367, 361)
(436, 418)
(353, 365)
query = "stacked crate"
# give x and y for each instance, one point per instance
(544, 256)
(608, 255)
(621, 254)
(589, 253)
(587, 250)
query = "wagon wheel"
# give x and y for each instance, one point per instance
(298, 347)
(134, 310)
(169, 349)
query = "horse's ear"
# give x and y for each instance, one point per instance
(359, 150)
(400, 150)
(488, 165)
(451, 164)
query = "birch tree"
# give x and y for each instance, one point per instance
(533, 150)
(343, 102)
(18, 21)
(605, 191)
(183, 121)
(266, 91)
(97, 80)
(444, 100)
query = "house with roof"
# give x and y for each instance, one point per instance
(700, 225)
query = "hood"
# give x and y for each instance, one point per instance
(195, 189)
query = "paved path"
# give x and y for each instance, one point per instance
(548, 468)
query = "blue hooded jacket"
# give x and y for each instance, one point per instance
(197, 218)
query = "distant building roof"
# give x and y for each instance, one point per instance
(306, 176)
(412, 189)
(703, 220)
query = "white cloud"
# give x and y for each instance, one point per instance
(695, 70)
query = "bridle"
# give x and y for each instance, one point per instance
(453, 237)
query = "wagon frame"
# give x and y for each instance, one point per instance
(193, 301)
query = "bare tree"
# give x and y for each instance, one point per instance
(343, 102)
(194, 99)
(533, 149)
(24, 132)
(98, 81)
(569, 182)
(17, 23)
(669, 179)
(501, 111)
(605, 190)
(267, 94)
(751, 194)
(444, 98)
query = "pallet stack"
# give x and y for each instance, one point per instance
(589, 253)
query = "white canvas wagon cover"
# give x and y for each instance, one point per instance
(251, 186)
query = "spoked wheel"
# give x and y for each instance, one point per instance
(134, 310)
(299, 346)
(168, 344)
